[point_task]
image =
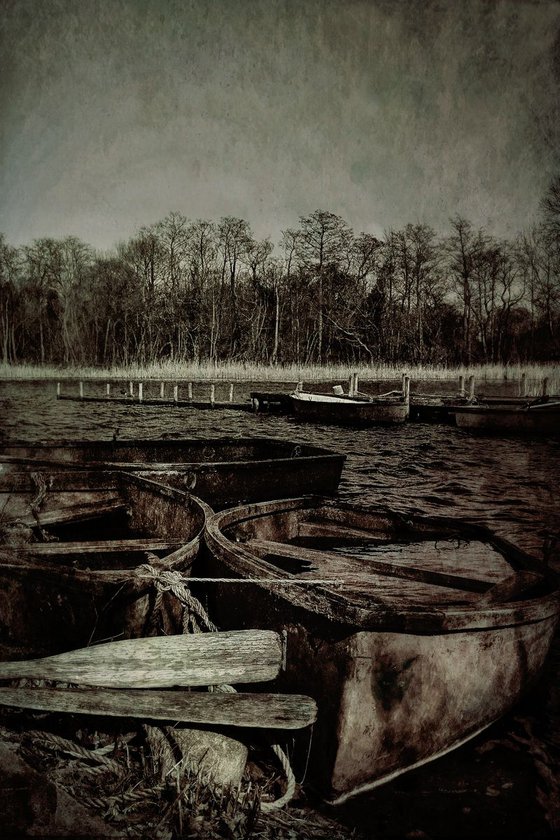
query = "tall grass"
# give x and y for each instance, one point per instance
(289, 374)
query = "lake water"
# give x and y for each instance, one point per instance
(503, 784)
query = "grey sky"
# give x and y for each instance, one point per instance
(116, 112)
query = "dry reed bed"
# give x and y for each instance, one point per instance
(248, 372)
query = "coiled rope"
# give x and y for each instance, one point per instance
(193, 615)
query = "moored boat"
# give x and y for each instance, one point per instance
(535, 418)
(412, 634)
(221, 471)
(349, 410)
(79, 553)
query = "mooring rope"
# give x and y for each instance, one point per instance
(175, 582)
(57, 742)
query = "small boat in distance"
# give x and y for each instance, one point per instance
(71, 546)
(349, 410)
(539, 417)
(413, 634)
(222, 471)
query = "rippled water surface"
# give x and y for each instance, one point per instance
(511, 484)
(502, 785)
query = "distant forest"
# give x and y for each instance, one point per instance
(210, 291)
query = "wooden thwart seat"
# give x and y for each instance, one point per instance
(74, 513)
(324, 560)
(101, 547)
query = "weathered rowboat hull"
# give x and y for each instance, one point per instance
(535, 420)
(222, 471)
(398, 682)
(322, 408)
(71, 555)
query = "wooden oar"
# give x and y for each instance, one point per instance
(268, 711)
(242, 656)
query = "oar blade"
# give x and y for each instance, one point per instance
(243, 656)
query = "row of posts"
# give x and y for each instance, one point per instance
(352, 388)
(161, 391)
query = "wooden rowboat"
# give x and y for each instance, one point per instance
(536, 418)
(413, 634)
(71, 545)
(347, 410)
(221, 471)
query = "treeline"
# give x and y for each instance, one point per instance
(205, 290)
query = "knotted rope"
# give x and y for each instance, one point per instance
(174, 582)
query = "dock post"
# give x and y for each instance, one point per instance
(212, 393)
(140, 391)
(404, 377)
(356, 386)
(189, 392)
(523, 385)
(461, 385)
(299, 387)
(108, 390)
(545, 387)
(81, 390)
(406, 393)
(471, 387)
(131, 389)
(58, 390)
(231, 392)
(175, 393)
(162, 390)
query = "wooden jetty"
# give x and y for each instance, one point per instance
(135, 395)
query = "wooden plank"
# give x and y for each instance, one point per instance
(243, 656)
(332, 531)
(263, 711)
(74, 513)
(511, 587)
(432, 578)
(101, 547)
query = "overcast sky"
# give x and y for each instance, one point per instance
(115, 112)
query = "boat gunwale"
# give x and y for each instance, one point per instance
(173, 561)
(401, 618)
(310, 450)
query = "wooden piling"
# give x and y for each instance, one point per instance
(108, 390)
(162, 390)
(175, 393)
(57, 390)
(461, 385)
(231, 392)
(189, 392)
(545, 387)
(81, 390)
(212, 393)
(131, 389)
(406, 391)
(140, 391)
(523, 385)
(471, 387)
